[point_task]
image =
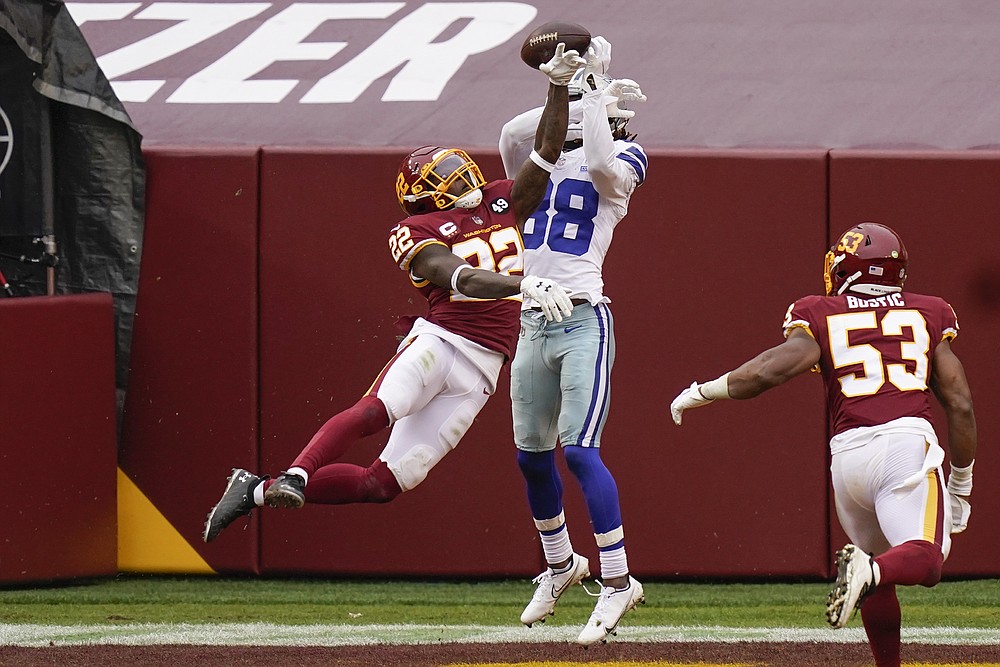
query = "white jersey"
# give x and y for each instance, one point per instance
(569, 235)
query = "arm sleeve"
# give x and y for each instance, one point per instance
(517, 137)
(611, 176)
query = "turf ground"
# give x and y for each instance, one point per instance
(222, 621)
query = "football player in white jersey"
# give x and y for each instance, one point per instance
(561, 372)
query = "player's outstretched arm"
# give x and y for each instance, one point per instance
(439, 265)
(607, 172)
(533, 176)
(768, 369)
(518, 134)
(775, 366)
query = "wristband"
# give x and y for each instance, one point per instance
(715, 389)
(960, 480)
(541, 162)
(454, 277)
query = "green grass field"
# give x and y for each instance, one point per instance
(197, 600)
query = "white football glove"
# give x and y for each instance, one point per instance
(620, 90)
(960, 511)
(599, 55)
(959, 487)
(687, 399)
(551, 297)
(563, 65)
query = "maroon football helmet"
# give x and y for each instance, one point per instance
(432, 178)
(869, 258)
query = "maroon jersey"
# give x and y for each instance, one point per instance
(487, 237)
(877, 353)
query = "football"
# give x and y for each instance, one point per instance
(540, 45)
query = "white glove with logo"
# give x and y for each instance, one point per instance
(959, 489)
(563, 65)
(687, 399)
(599, 55)
(551, 297)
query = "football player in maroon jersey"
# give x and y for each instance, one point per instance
(461, 247)
(882, 353)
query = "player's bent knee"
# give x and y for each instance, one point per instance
(583, 461)
(933, 561)
(536, 466)
(380, 484)
(412, 468)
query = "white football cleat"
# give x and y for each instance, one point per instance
(612, 604)
(550, 587)
(855, 581)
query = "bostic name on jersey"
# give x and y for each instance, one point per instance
(886, 301)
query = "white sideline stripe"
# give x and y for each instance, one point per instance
(270, 634)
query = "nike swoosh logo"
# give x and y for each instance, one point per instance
(556, 592)
(572, 329)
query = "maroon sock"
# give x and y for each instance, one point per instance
(881, 616)
(341, 483)
(364, 418)
(911, 563)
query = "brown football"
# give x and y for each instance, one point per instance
(540, 45)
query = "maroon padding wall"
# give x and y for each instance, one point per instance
(715, 248)
(191, 408)
(946, 208)
(57, 438)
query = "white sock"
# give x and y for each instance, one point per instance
(557, 546)
(258, 494)
(300, 472)
(614, 563)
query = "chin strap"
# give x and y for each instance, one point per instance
(847, 283)
(470, 199)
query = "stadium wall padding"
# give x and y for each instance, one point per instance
(191, 410)
(276, 300)
(57, 438)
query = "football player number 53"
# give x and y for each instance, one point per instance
(875, 370)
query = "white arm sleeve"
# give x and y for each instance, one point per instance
(610, 175)
(517, 137)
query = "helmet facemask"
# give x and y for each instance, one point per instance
(584, 82)
(437, 179)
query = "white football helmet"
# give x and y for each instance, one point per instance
(588, 81)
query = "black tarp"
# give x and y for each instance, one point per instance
(72, 191)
